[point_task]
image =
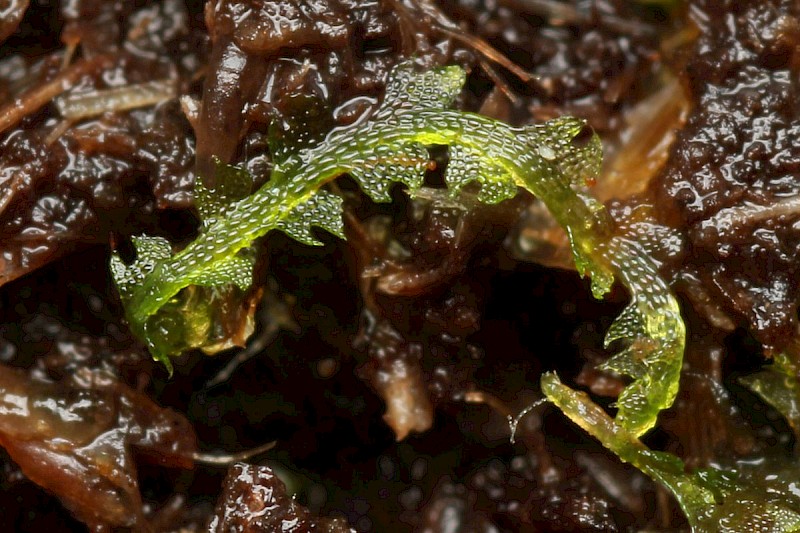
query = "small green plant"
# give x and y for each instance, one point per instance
(746, 498)
(178, 301)
(170, 299)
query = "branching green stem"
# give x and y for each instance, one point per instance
(551, 160)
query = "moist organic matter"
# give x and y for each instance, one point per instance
(385, 365)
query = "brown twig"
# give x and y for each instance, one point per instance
(560, 13)
(29, 102)
(488, 51)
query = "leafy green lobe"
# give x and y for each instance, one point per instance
(551, 160)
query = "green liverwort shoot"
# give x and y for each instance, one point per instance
(197, 297)
(551, 160)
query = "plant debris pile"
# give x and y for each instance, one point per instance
(386, 366)
(731, 179)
